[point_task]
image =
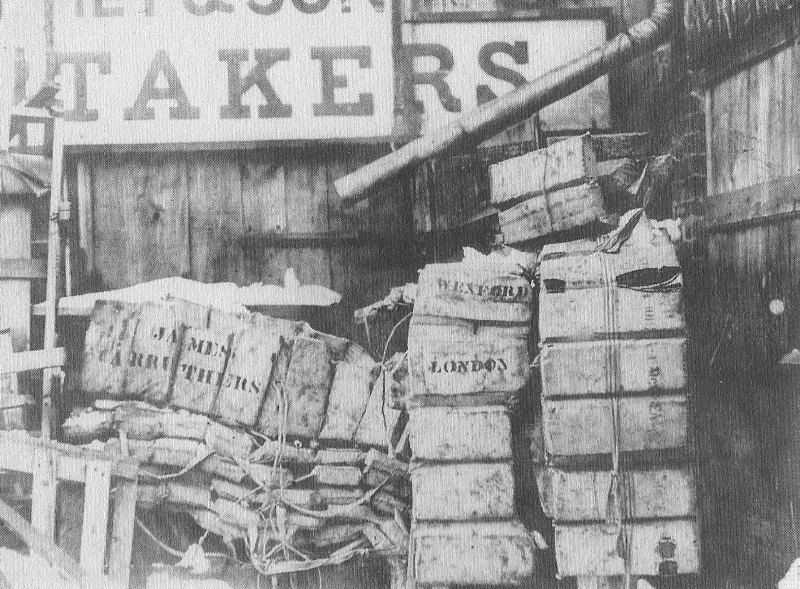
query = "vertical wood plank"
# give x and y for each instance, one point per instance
(95, 517)
(122, 529)
(43, 498)
(307, 212)
(85, 212)
(15, 242)
(215, 201)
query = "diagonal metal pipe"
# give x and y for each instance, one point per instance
(516, 106)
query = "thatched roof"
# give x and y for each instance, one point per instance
(713, 27)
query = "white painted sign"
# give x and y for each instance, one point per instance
(218, 71)
(457, 66)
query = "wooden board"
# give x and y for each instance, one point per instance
(570, 496)
(566, 163)
(453, 358)
(661, 547)
(613, 146)
(461, 434)
(472, 554)
(621, 366)
(491, 292)
(270, 421)
(107, 349)
(575, 427)
(559, 210)
(460, 492)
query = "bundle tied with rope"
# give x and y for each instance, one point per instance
(309, 479)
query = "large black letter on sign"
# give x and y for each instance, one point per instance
(210, 6)
(365, 106)
(174, 91)
(81, 61)
(237, 86)
(435, 78)
(518, 52)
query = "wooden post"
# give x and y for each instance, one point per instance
(53, 271)
(121, 550)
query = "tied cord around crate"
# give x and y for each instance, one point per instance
(617, 513)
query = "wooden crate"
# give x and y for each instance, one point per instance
(463, 491)
(583, 496)
(576, 427)
(478, 553)
(452, 358)
(481, 292)
(559, 210)
(603, 367)
(460, 434)
(587, 295)
(562, 164)
(656, 548)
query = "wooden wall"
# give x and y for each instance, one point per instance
(754, 239)
(243, 217)
(748, 409)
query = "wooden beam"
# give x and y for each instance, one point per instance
(53, 271)
(43, 500)
(35, 360)
(22, 268)
(756, 203)
(41, 544)
(95, 517)
(122, 527)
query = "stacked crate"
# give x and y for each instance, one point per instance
(468, 358)
(619, 482)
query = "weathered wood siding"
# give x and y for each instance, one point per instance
(754, 146)
(246, 216)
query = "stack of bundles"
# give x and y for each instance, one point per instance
(566, 185)
(468, 358)
(618, 481)
(260, 428)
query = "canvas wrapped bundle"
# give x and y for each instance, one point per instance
(244, 369)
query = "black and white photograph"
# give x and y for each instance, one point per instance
(399, 294)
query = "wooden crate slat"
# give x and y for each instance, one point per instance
(121, 550)
(95, 517)
(33, 360)
(43, 500)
